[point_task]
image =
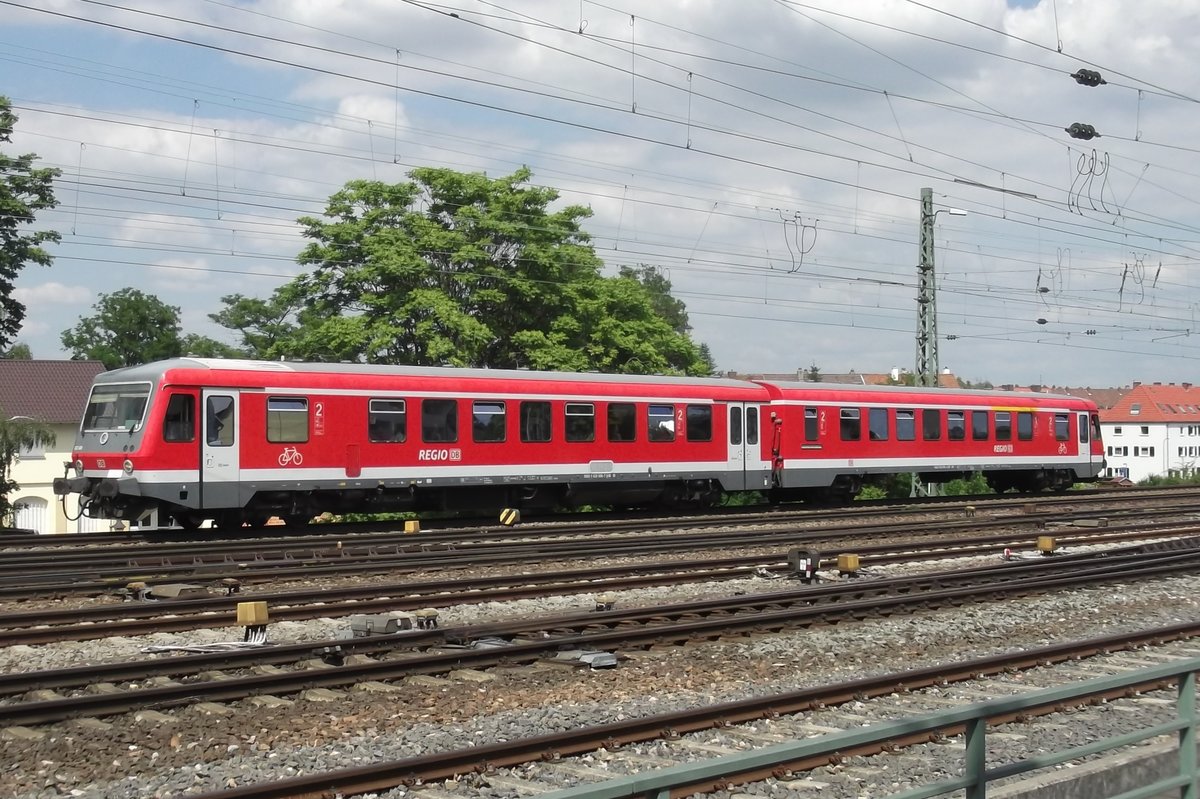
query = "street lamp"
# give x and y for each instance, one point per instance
(927, 354)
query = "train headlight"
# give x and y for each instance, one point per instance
(79, 468)
(127, 466)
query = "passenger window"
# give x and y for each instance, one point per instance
(877, 422)
(1062, 427)
(1024, 425)
(581, 421)
(535, 422)
(622, 421)
(851, 424)
(811, 425)
(180, 421)
(387, 421)
(956, 425)
(439, 421)
(752, 425)
(735, 425)
(660, 422)
(906, 425)
(699, 423)
(287, 419)
(1003, 426)
(979, 425)
(488, 421)
(220, 421)
(931, 424)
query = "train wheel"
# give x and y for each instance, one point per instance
(189, 521)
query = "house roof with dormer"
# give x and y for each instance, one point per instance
(1156, 403)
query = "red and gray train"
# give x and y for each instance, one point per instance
(241, 441)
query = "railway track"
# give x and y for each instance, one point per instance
(749, 723)
(174, 615)
(528, 641)
(30, 573)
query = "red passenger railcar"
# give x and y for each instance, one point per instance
(240, 441)
(830, 438)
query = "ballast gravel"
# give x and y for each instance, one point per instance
(190, 751)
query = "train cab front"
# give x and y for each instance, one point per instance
(104, 470)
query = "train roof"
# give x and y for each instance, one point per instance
(152, 371)
(931, 391)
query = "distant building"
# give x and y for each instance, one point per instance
(1152, 430)
(55, 393)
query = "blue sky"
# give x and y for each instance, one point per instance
(767, 155)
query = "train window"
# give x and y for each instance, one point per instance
(1096, 427)
(220, 421)
(622, 421)
(811, 429)
(956, 425)
(906, 425)
(1062, 427)
(735, 424)
(180, 422)
(660, 422)
(699, 423)
(287, 419)
(752, 425)
(488, 421)
(1024, 425)
(1003, 426)
(851, 424)
(116, 406)
(439, 421)
(931, 424)
(535, 421)
(979, 425)
(581, 421)
(387, 421)
(877, 424)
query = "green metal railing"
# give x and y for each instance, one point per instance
(974, 718)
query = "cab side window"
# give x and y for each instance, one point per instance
(180, 422)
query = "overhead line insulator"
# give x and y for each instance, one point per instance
(1078, 130)
(1088, 77)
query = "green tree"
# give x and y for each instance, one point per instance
(461, 269)
(813, 374)
(18, 352)
(129, 328)
(262, 324)
(17, 433)
(204, 347)
(24, 191)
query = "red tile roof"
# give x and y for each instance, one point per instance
(50, 391)
(1149, 404)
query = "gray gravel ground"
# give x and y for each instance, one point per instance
(249, 747)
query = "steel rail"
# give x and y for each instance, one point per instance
(656, 625)
(174, 615)
(449, 764)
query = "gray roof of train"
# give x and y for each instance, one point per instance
(151, 371)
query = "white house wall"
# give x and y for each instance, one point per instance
(1128, 447)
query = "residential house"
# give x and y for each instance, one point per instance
(1152, 430)
(55, 393)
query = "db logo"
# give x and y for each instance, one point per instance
(439, 455)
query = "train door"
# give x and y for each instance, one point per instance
(1089, 440)
(219, 465)
(745, 447)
